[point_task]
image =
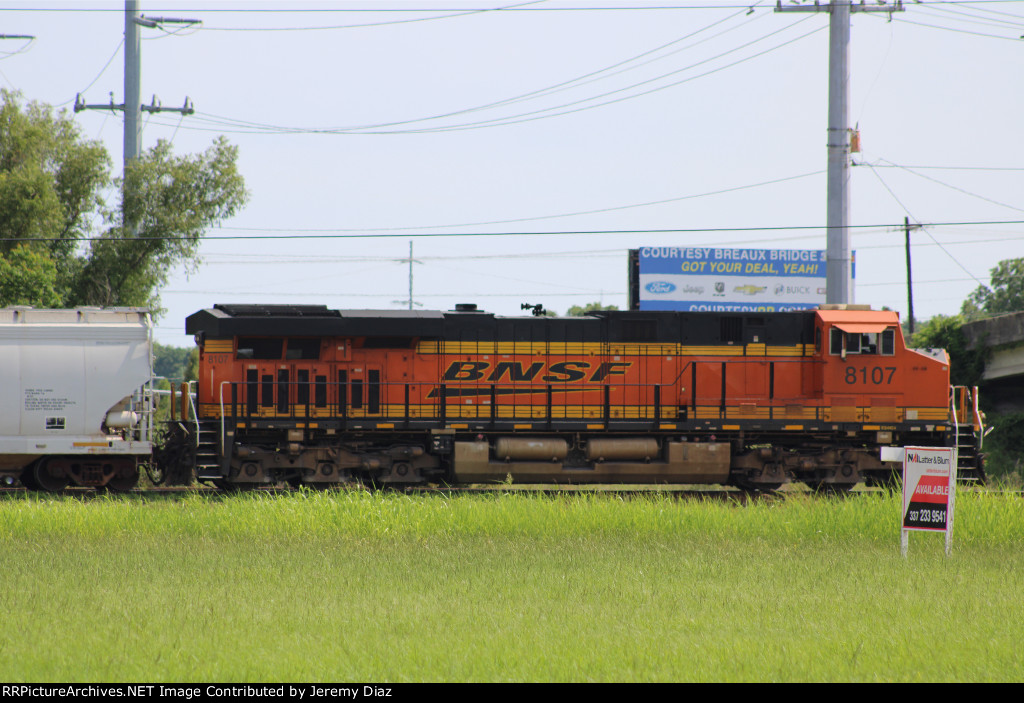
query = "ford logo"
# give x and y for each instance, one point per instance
(659, 287)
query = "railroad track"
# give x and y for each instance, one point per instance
(675, 492)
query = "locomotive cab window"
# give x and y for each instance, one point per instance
(259, 348)
(882, 342)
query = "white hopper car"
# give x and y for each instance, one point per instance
(76, 406)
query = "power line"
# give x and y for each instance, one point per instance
(904, 20)
(540, 92)
(546, 8)
(387, 235)
(940, 168)
(925, 228)
(252, 128)
(371, 24)
(957, 188)
(546, 217)
(232, 259)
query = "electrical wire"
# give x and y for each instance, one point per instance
(541, 92)
(963, 15)
(409, 235)
(373, 24)
(924, 228)
(530, 115)
(541, 217)
(98, 75)
(956, 188)
(20, 50)
(903, 20)
(230, 259)
(547, 8)
(941, 168)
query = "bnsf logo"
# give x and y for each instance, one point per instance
(561, 372)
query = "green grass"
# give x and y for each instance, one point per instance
(354, 586)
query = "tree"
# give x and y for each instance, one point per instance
(946, 332)
(170, 362)
(60, 245)
(28, 276)
(578, 310)
(1006, 293)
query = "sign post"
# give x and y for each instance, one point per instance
(929, 490)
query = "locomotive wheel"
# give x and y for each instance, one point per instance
(42, 480)
(234, 487)
(824, 488)
(314, 485)
(752, 487)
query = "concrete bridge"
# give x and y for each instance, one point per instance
(1003, 380)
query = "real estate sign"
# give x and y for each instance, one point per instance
(929, 489)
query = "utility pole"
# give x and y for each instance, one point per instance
(132, 83)
(132, 106)
(910, 284)
(411, 262)
(410, 274)
(838, 282)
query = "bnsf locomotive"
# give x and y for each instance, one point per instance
(313, 396)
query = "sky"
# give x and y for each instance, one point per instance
(523, 148)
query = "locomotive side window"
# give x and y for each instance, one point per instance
(836, 339)
(303, 350)
(259, 348)
(888, 347)
(883, 342)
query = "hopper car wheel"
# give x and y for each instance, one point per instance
(42, 480)
(27, 479)
(122, 484)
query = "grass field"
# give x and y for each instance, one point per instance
(353, 586)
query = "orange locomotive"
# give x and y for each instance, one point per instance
(309, 395)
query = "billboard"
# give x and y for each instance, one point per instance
(730, 280)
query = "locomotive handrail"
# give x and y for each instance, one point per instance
(223, 429)
(417, 404)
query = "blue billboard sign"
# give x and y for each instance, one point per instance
(726, 279)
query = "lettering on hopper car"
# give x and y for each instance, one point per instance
(559, 372)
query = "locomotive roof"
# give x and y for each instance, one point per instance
(226, 321)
